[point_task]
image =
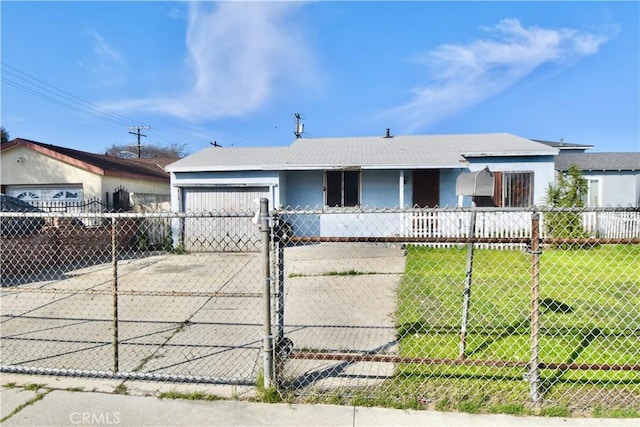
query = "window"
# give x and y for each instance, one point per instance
(513, 189)
(342, 188)
(58, 193)
(592, 196)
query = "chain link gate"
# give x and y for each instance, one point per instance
(163, 297)
(393, 307)
(428, 308)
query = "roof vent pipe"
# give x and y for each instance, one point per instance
(388, 133)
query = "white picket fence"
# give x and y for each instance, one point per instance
(513, 224)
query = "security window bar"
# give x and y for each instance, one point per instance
(513, 189)
(342, 188)
(517, 189)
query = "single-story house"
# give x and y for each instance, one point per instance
(47, 175)
(613, 179)
(347, 173)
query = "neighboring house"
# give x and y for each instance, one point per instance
(45, 174)
(340, 174)
(613, 179)
(565, 147)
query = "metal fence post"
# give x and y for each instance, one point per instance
(534, 371)
(280, 307)
(114, 269)
(467, 286)
(267, 339)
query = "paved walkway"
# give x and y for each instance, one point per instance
(77, 401)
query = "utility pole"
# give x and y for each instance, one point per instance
(138, 134)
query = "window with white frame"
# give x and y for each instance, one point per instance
(592, 197)
(342, 188)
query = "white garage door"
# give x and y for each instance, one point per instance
(227, 226)
(223, 199)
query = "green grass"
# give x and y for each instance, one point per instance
(33, 387)
(267, 395)
(121, 389)
(335, 273)
(194, 395)
(589, 314)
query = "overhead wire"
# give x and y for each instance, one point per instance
(25, 82)
(49, 92)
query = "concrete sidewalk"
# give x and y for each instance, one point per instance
(94, 403)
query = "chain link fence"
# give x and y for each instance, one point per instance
(462, 309)
(172, 297)
(448, 309)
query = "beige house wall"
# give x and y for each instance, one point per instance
(22, 166)
(37, 169)
(110, 183)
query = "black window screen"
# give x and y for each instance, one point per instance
(334, 188)
(351, 188)
(343, 188)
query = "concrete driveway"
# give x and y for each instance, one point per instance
(193, 314)
(200, 315)
(341, 298)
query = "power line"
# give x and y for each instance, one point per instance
(49, 92)
(25, 82)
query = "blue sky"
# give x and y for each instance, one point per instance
(78, 74)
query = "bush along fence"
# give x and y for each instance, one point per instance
(476, 310)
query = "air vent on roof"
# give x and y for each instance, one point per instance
(388, 133)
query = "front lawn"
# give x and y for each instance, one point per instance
(589, 315)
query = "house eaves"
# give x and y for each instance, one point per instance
(510, 154)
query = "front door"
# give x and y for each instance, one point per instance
(426, 188)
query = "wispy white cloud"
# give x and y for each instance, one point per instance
(463, 75)
(104, 50)
(239, 55)
(106, 62)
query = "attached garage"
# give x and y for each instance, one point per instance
(226, 224)
(222, 199)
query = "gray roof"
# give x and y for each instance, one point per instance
(564, 145)
(599, 161)
(376, 152)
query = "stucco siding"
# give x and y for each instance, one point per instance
(304, 189)
(380, 188)
(617, 188)
(542, 168)
(111, 183)
(38, 169)
(448, 178)
(282, 189)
